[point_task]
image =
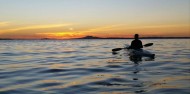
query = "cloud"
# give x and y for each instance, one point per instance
(39, 27)
(157, 26)
(109, 27)
(4, 23)
(103, 29)
(126, 27)
(17, 31)
(61, 35)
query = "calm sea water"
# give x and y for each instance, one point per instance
(89, 67)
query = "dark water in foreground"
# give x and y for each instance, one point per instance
(88, 67)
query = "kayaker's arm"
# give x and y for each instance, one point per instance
(140, 45)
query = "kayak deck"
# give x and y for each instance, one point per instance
(140, 53)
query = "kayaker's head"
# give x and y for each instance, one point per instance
(136, 36)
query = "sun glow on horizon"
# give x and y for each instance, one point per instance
(120, 30)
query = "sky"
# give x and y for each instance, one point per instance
(65, 19)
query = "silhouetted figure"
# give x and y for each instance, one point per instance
(136, 44)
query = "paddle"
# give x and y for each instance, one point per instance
(146, 45)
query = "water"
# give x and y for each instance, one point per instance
(89, 67)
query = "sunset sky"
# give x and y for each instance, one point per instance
(63, 19)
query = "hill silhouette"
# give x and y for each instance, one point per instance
(94, 37)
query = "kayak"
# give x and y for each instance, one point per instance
(135, 52)
(139, 52)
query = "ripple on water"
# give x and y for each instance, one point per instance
(53, 70)
(114, 66)
(169, 90)
(22, 91)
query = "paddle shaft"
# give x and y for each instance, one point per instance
(146, 45)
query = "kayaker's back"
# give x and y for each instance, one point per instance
(136, 44)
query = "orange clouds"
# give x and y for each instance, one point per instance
(123, 30)
(61, 35)
(30, 31)
(39, 27)
(4, 24)
(67, 31)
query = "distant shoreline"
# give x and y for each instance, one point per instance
(92, 37)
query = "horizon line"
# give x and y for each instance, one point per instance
(94, 37)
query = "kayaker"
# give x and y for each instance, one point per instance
(136, 43)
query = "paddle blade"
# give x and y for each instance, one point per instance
(148, 44)
(117, 49)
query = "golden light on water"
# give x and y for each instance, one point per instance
(81, 81)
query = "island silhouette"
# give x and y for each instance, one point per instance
(95, 37)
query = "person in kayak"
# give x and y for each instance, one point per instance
(136, 43)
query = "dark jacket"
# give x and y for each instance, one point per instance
(136, 44)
